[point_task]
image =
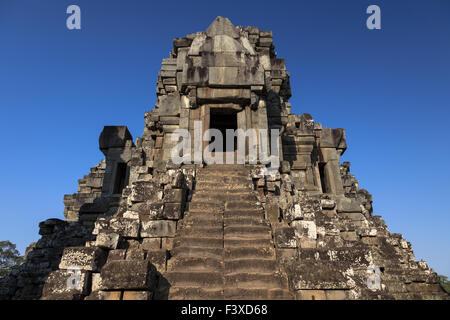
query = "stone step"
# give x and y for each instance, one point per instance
(200, 293)
(248, 253)
(242, 205)
(225, 171)
(220, 174)
(205, 186)
(201, 206)
(256, 280)
(195, 264)
(195, 279)
(230, 193)
(252, 243)
(245, 294)
(217, 199)
(225, 179)
(225, 167)
(222, 184)
(194, 230)
(220, 197)
(250, 266)
(201, 222)
(224, 247)
(195, 293)
(247, 232)
(202, 215)
(216, 253)
(256, 294)
(252, 220)
(198, 241)
(255, 213)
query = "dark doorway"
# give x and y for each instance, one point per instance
(322, 177)
(223, 119)
(121, 178)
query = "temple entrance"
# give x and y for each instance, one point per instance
(223, 119)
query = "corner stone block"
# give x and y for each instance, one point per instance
(125, 227)
(158, 228)
(333, 138)
(66, 285)
(175, 196)
(154, 210)
(326, 138)
(128, 275)
(151, 244)
(169, 105)
(172, 211)
(145, 191)
(107, 240)
(348, 205)
(82, 258)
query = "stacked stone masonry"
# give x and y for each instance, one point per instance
(144, 228)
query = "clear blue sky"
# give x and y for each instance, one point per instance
(389, 88)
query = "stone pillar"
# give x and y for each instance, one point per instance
(332, 173)
(205, 118)
(116, 143)
(332, 145)
(262, 124)
(194, 116)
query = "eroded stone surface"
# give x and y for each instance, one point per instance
(197, 231)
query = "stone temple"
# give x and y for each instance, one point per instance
(143, 227)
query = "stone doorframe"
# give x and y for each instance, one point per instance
(243, 118)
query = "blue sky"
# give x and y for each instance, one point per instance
(389, 88)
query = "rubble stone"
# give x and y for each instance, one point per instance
(82, 258)
(129, 275)
(159, 228)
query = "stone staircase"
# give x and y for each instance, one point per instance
(224, 247)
